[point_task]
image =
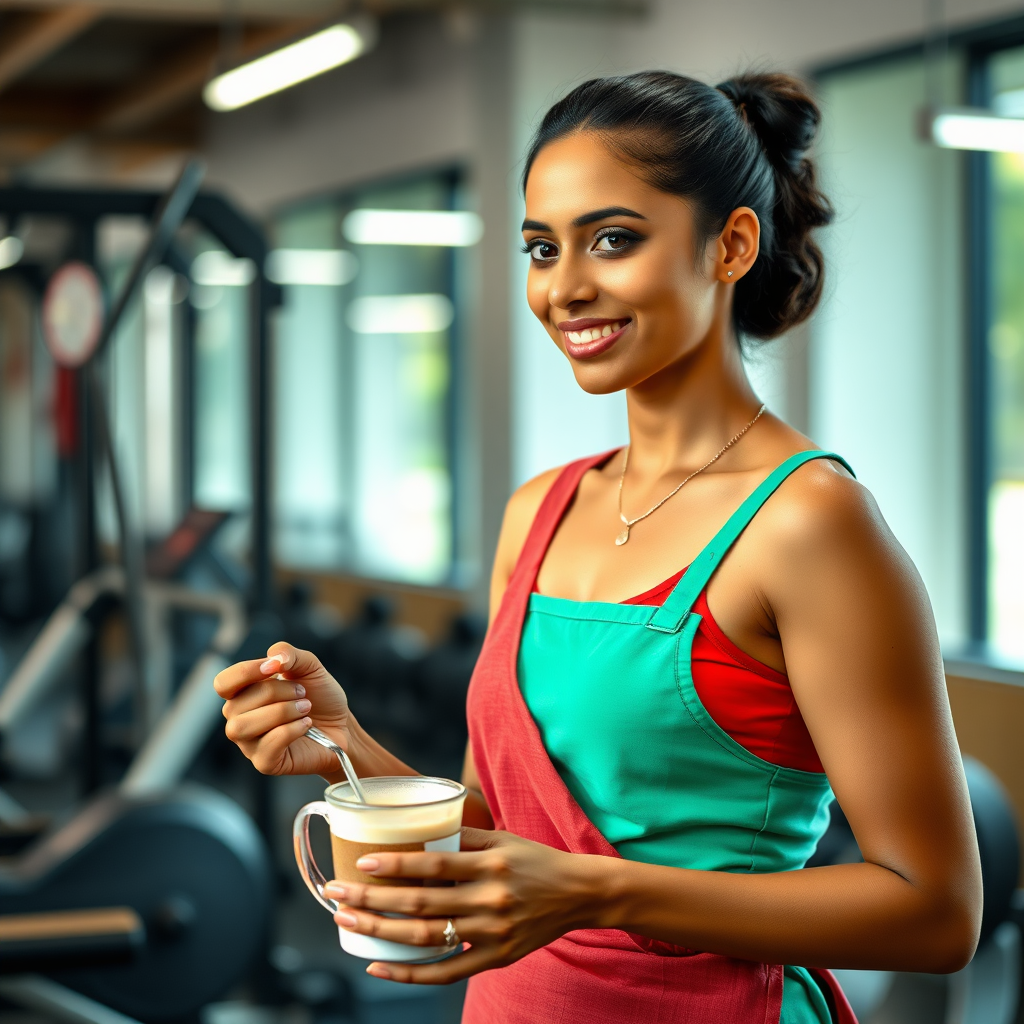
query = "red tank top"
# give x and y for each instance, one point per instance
(750, 701)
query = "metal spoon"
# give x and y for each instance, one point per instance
(346, 765)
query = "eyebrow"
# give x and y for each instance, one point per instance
(587, 218)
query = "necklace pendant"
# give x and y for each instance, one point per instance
(622, 538)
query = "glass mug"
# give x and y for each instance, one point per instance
(404, 813)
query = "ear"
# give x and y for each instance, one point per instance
(737, 246)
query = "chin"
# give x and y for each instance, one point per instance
(603, 380)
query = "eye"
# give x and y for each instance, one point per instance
(615, 240)
(541, 251)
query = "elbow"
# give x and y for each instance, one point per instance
(953, 936)
(958, 952)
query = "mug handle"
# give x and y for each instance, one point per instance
(311, 874)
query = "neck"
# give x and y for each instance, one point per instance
(682, 416)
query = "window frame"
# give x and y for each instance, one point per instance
(454, 179)
(980, 299)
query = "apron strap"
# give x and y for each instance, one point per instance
(671, 615)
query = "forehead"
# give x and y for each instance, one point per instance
(581, 172)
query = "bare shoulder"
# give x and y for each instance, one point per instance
(819, 503)
(822, 520)
(519, 515)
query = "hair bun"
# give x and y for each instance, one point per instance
(785, 118)
(780, 111)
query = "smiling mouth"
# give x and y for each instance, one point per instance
(593, 338)
(595, 333)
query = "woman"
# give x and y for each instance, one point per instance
(659, 765)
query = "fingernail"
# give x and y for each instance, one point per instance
(368, 864)
(302, 706)
(378, 971)
(335, 892)
(300, 690)
(345, 919)
(273, 664)
(307, 722)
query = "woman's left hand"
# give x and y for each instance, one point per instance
(513, 896)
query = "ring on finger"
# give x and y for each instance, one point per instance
(451, 936)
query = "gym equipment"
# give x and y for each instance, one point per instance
(442, 680)
(242, 239)
(151, 900)
(172, 893)
(988, 989)
(169, 888)
(72, 626)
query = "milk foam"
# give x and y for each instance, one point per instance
(436, 810)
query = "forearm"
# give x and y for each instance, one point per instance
(852, 915)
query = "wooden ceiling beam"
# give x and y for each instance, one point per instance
(31, 41)
(170, 84)
(212, 11)
(183, 76)
(20, 144)
(61, 110)
(197, 11)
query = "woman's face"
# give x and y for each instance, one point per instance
(613, 274)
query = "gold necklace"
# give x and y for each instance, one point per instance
(630, 523)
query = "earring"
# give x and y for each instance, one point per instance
(728, 273)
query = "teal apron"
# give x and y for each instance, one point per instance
(611, 689)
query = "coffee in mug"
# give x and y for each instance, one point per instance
(404, 813)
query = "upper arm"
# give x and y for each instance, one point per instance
(519, 515)
(864, 664)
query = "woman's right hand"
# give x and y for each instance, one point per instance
(271, 702)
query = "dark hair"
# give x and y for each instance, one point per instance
(742, 143)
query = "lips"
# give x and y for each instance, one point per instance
(589, 337)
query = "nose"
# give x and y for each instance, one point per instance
(569, 284)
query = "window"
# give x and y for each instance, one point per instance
(1005, 413)
(917, 361)
(221, 300)
(364, 395)
(886, 361)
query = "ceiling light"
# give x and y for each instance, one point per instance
(400, 314)
(976, 129)
(11, 249)
(311, 266)
(214, 267)
(413, 227)
(288, 66)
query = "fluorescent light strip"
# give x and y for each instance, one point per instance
(413, 227)
(311, 266)
(288, 66)
(11, 249)
(980, 130)
(400, 314)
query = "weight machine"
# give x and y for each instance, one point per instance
(154, 898)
